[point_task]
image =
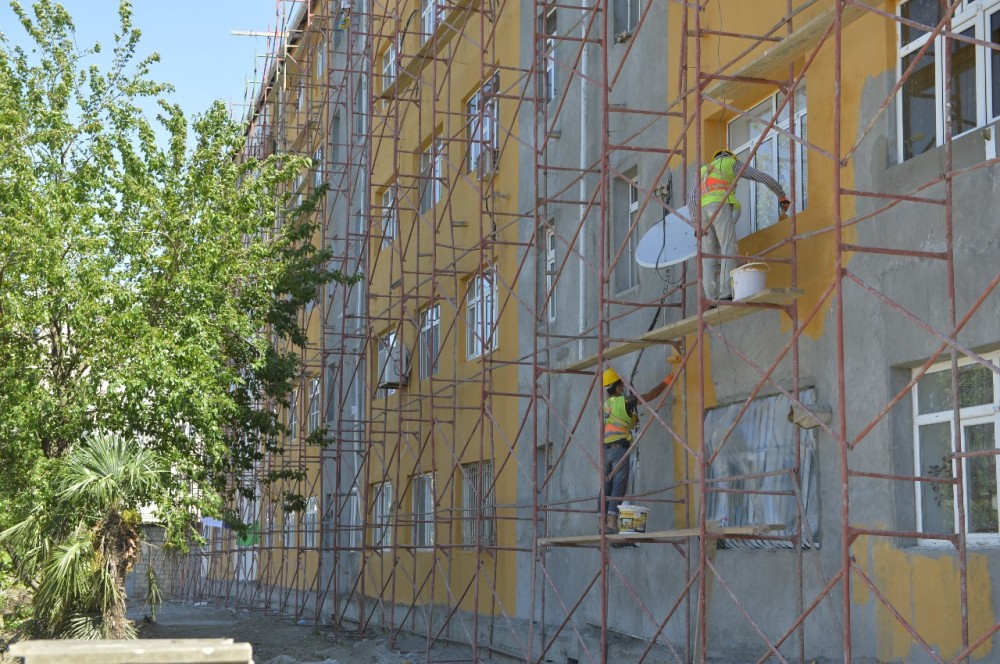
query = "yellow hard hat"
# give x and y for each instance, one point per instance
(722, 151)
(610, 377)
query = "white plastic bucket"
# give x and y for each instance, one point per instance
(632, 518)
(749, 280)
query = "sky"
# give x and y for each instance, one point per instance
(198, 54)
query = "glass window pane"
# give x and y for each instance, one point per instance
(919, 120)
(803, 153)
(982, 488)
(925, 12)
(934, 392)
(994, 37)
(963, 84)
(766, 205)
(975, 385)
(937, 500)
(744, 223)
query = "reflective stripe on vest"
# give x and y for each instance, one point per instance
(617, 422)
(716, 178)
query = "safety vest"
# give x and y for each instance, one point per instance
(716, 178)
(618, 423)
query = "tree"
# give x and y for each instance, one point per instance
(78, 548)
(150, 284)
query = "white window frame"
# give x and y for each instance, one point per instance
(390, 220)
(270, 516)
(383, 508)
(293, 416)
(318, 167)
(431, 16)
(361, 107)
(755, 195)
(625, 274)
(288, 530)
(431, 176)
(314, 411)
(971, 14)
(310, 523)
(550, 272)
(549, 29)
(430, 341)
(625, 18)
(481, 314)
(478, 504)
(351, 523)
(422, 490)
(976, 415)
(390, 60)
(321, 60)
(482, 128)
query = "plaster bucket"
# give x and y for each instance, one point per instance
(632, 518)
(748, 280)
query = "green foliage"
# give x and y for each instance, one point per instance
(147, 285)
(77, 548)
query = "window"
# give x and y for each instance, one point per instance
(390, 221)
(431, 176)
(350, 521)
(625, 14)
(301, 96)
(774, 156)
(430, 341)
(314, 394)
(482, 127)
(547, 66)
(389, 59)
(758, 462)
(935, 446)
(318, 167)
(293, 417)
(361, 107)
(550, 272)
(481, 314)
(478, 504)
(382, 510)
(310, 523)
(431, 14)
(423, 511)
(288, 530)
(975, 73)
(269, 525)
(321, 61)
(624, 238)
(335, 139)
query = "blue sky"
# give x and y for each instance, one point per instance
(198, 53)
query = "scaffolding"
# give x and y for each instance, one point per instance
(457, 501)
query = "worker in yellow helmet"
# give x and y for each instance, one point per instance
(719, 213)
(620, 417)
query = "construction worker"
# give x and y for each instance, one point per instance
(719, 213)
(620, 418)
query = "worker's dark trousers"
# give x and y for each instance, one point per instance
(615, 485)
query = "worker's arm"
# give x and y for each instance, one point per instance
(657, 389)
(752, 173)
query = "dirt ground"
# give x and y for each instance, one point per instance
(274, 640)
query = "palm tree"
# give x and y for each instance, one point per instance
(77, 549)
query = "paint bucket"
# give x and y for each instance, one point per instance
(748, 280)
(632, 518)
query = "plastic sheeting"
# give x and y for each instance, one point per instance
(760, 457)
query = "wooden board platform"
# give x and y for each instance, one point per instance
(657, 536)
(679, 329)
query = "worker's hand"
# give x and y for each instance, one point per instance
(784, 204)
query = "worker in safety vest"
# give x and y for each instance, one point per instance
(620, 418)
(715, 193)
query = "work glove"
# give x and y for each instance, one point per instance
(784, 204)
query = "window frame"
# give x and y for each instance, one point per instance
(313, 420)
(431, 16)
(475, 530)
(749, 191)
(550, 272)
(288, 530)
(422, 500)
(481, 302)
(310, 523)
(430, 331)
(624, 23)
(969, 15)
(318, 167)
(383, 508)
(390, 217)
(549, 27)
(482, 127)
(431, 176)
(293, 416)
(625, 273)
(975, 415)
